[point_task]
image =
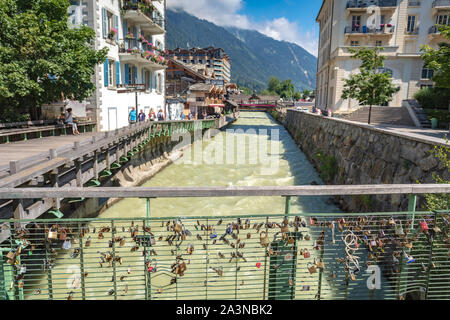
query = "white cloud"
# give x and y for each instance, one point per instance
(225, 13)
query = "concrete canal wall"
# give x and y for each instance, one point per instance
(355, 153)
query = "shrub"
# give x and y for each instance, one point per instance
(433, 98)
(327, 166)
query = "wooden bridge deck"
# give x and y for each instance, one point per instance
(23, 149)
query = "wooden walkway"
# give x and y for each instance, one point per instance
(24, 149)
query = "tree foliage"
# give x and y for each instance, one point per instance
(439, 60)
(42, 59)
(370, 86)
(285, 89)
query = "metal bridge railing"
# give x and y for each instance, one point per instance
(398, 255)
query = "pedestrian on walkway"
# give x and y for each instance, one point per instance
(69, 120)
(152, 115)
(160, 115)
(142, 116)
(132, 117)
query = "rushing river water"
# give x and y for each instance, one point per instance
(291, 168)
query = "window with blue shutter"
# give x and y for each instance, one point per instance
(116, 25)
(127, 74)
(143, 76)
(135, 42)
(104, 23)
(135, 75)
(106, 75)
(151, 81)
(125, 29)
(117, 73)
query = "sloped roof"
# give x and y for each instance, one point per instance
(201, 87)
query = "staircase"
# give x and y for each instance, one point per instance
(381, 115)
(420, 114)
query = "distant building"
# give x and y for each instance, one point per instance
(134, 32)
(213, 62)
(400, 26)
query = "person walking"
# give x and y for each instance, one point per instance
(132, 117)
(142, 116)
(69, 120)
(152, 115)
(160, 115)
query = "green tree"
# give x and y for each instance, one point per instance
(370, 86)
(297, 96)
(42, 59)
(306, 94)
(439, 60)
(274, 85)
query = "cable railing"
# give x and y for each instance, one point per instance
(373, 256)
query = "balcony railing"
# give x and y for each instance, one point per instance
(414, 3)
(147, 10)
(413, 32)
(366, 30)
(134, 53)
(364, 4)
(441, 3)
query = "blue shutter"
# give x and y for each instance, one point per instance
(143, 76)
(135, 75)
(117, 73)
(135, 42)
(106, 75)
(116, 25)
(125, 29)
(104, 23)
(151, 81)
(127, 73)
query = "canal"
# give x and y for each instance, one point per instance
(209, 274)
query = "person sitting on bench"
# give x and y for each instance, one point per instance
(69, 120)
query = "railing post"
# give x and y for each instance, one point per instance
(430, 260)
(83, 285)
(287, 207)
(114, 258)
(47, 262)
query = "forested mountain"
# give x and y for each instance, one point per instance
(254, 57)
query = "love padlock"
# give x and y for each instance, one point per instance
(311, 268)
(423, 226)
(306, 254)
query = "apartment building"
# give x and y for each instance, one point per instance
(214, 60)
(133, 73)
(400, 26)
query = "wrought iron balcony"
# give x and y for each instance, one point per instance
(441, 3)
(152, 60)
(364, 30)
(355, 4)
(413, 32)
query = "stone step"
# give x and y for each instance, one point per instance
(382, 115)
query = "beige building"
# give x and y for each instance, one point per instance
(400, 26)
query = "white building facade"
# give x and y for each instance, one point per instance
(400, 26)
(134, 33)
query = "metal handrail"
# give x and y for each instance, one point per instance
(183, 192)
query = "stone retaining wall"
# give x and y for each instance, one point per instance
(365, 155)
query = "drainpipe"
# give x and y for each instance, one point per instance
(331, 39)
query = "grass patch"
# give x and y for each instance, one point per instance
(327, 166)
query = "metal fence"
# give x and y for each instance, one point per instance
(292, 256)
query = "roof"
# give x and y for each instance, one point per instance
(201, 87)
(187, 68)
(321, 7)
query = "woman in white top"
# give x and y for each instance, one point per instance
(69, 120)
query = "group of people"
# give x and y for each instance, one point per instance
(152, 116)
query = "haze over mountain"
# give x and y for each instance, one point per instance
(254, 56)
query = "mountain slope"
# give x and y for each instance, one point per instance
(254, 57)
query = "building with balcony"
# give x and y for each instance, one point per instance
(134, 71)
(400, 26)
(213, 60)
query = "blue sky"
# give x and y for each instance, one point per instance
(289, 20)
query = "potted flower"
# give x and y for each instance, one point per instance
(112, 33)
(141, 38)
(389, 25)
(129, 36)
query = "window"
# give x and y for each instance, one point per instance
(378, 43)
(382, 19)
(147, 80)
(111, 73)
(411, 23)
(159, 89)
(131, 74)
(443, 19)
(427, 73)
(356, 23)
(354, 43)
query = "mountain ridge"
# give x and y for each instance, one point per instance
(254, 56)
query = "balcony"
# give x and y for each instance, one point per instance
(434, 33)
(365, 31)
(361, 5)
(145, 15)
(147, 59)
(413, 32)
(412, 3)
(440, 5)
